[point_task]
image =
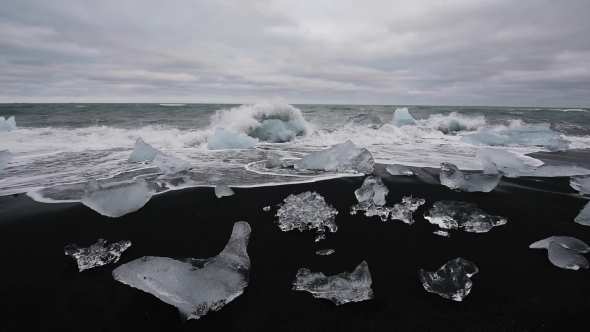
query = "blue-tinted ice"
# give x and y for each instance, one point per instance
(224, 139)
(453, 178)
(345, 157)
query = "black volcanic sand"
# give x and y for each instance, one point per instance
(517, 288)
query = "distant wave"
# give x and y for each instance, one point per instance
(171, 105)
(570, 110)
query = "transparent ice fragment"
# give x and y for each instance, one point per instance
(224, 139)
(372, 190)
(345, 157)
(404, 211)
(266, 208)
(5, 158)
(371, 210)
(455, 215)
(97, 254)
(222, 190)
(273, 160)
(564, 241)
(452, 281)
(340, 289)
(452, 177)
(320, 236)
(579, 183)
(526, 135)
(7, 124)
(194, 286)
(170, 164)
(442, 233)
(399, 170)
(142, 152)
(307, 211)
(325, 252)
(584, 217)
(116, 201)
(401, 117)
(566, 258)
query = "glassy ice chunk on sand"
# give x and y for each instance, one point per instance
(401, 117)
(340, 289)
(371, 210)
(345, 157)
(116, 201)
(579, 183)
(455, 215)
(306, 211)
(565, 241)
(222, 190)
(5, 158)
(584, 217)
(224, 140)
(278, 131)
(526, 135)
(372, 190)
(452, 177)
(404, 211)
(170, 164)
(273, 160)
(194, 286)
(452, 281)
(442, 233)
(142, 152)
(97, 254)
(266, 208)
(7, 124)
(369, 120)
(566, 258)
(399, 170)
(325, 252)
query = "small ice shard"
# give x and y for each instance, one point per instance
(399, 170)
(584, 217)
(325, 252)
(401, 117)
(566, 258)
(340, 289)
(97, 254)
(142, 152)
(455, 215)
(320, 236)
(266, 208)
(371, 197)
(7, 124)
(170, 164)
(451, 281)
(404, 211)
(526, 135)
(307, 211)
(5, 158)
(371, 210)
(442, 233)
(579, 183)
(452, 177)
(194, 286)
(369, 120)
(345, 157)
(273, 160)
(224, 140)
(222, 190)
(116, 201)
(565, 241)
(278, 131)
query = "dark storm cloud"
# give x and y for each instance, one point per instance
(486, 52)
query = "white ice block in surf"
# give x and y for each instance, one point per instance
(97, 254)
(401, 117)
(452, 177)
(452, 281)
(5, 158)
(273, 160)
(526, 135)
(226, 140)
(142, 152)
(344, 157)
(116, 201)
(278, 131)
(7, 124)
(170, 164)
(222, 190)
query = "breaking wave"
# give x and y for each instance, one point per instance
(171, 105)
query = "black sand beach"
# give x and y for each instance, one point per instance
(517, 288)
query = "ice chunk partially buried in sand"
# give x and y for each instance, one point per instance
(222, 190)
(579, 183)
(344, 157)
(224, 139)
(564, 251)
(142, 152)
(404, 211)
(7, 124)
(371, 198)
(170, 164)
(455, 215)
(116, 201)
(340, 289)
(452, 281)
(273, 160)
(194, 286)
(401, 117)
(399, 170)
(452, 177)
(584, 217)
(307, 211)
(97, 254)
(5, 158)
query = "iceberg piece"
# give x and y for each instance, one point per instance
(372, 190)
(116, 201)
(170, 164)
(564, 241)
(7, 124)
(455, 122)
(194, 286)
(273, 160)
(222, 190)
(401, 117)
(340, 289)
(266, 208)
(224, 140)
(371, 210)
(278, 131)
(307, 211)
(142, 152)
(442, 233)
(369, 120)
(399, 170)
(566, 258)
(579, 183)
(452, 281)
(97, 254)
(453, 178)
(584, 217)
(5, 158)
(325, 252)
(526, 135)
(455, 215)
(344, 157)
(404, 211)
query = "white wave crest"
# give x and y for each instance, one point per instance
(573, 110)
(454, 122)
(171, 105)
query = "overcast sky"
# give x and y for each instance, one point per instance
(443, 52)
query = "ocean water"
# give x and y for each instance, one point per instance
(58, 147)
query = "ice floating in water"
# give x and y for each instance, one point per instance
(142, 152)
(344, 157)
(278, 131)
(266, 208)
(579, 183)
(565, 241)
(194, 286)
(340, 289)
(325, 252)
(402, 117)
(584, 217)
(564, 251)
(170, 164)
(404, 211)
(453, 178)
(224, 139)
(97, 254)
(273, 160)
(307, 211)
(442, 233)
(5, 158)
(222, 190)
(452, 281)
(116, 201)
(527, 135)
(455, 215)
(371, 197)
(399, 170)
(7, 124)
(369, 120)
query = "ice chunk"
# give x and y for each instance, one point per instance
(266, 208)
(5, 158)
(453, 178)
(373, 190)
(170, 164)
(442, 233)
(566, 258)
(118, 200)
(97, 254)
(345, 157)
(399, 170)
(273, 160)
(584, 217)
(579, 183)
(404, 211)
(340, 289)
(320, 236)
(224, 139)
(455, 215)
(7, 124)
(222, 190)
(325, 252)
(564, 241)
(306, 211)
(369, 120)
(142, 152)
(527, 135)
(452, 281)
(402, 117)
(194, 286)
(371, 210)
(278, 131)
